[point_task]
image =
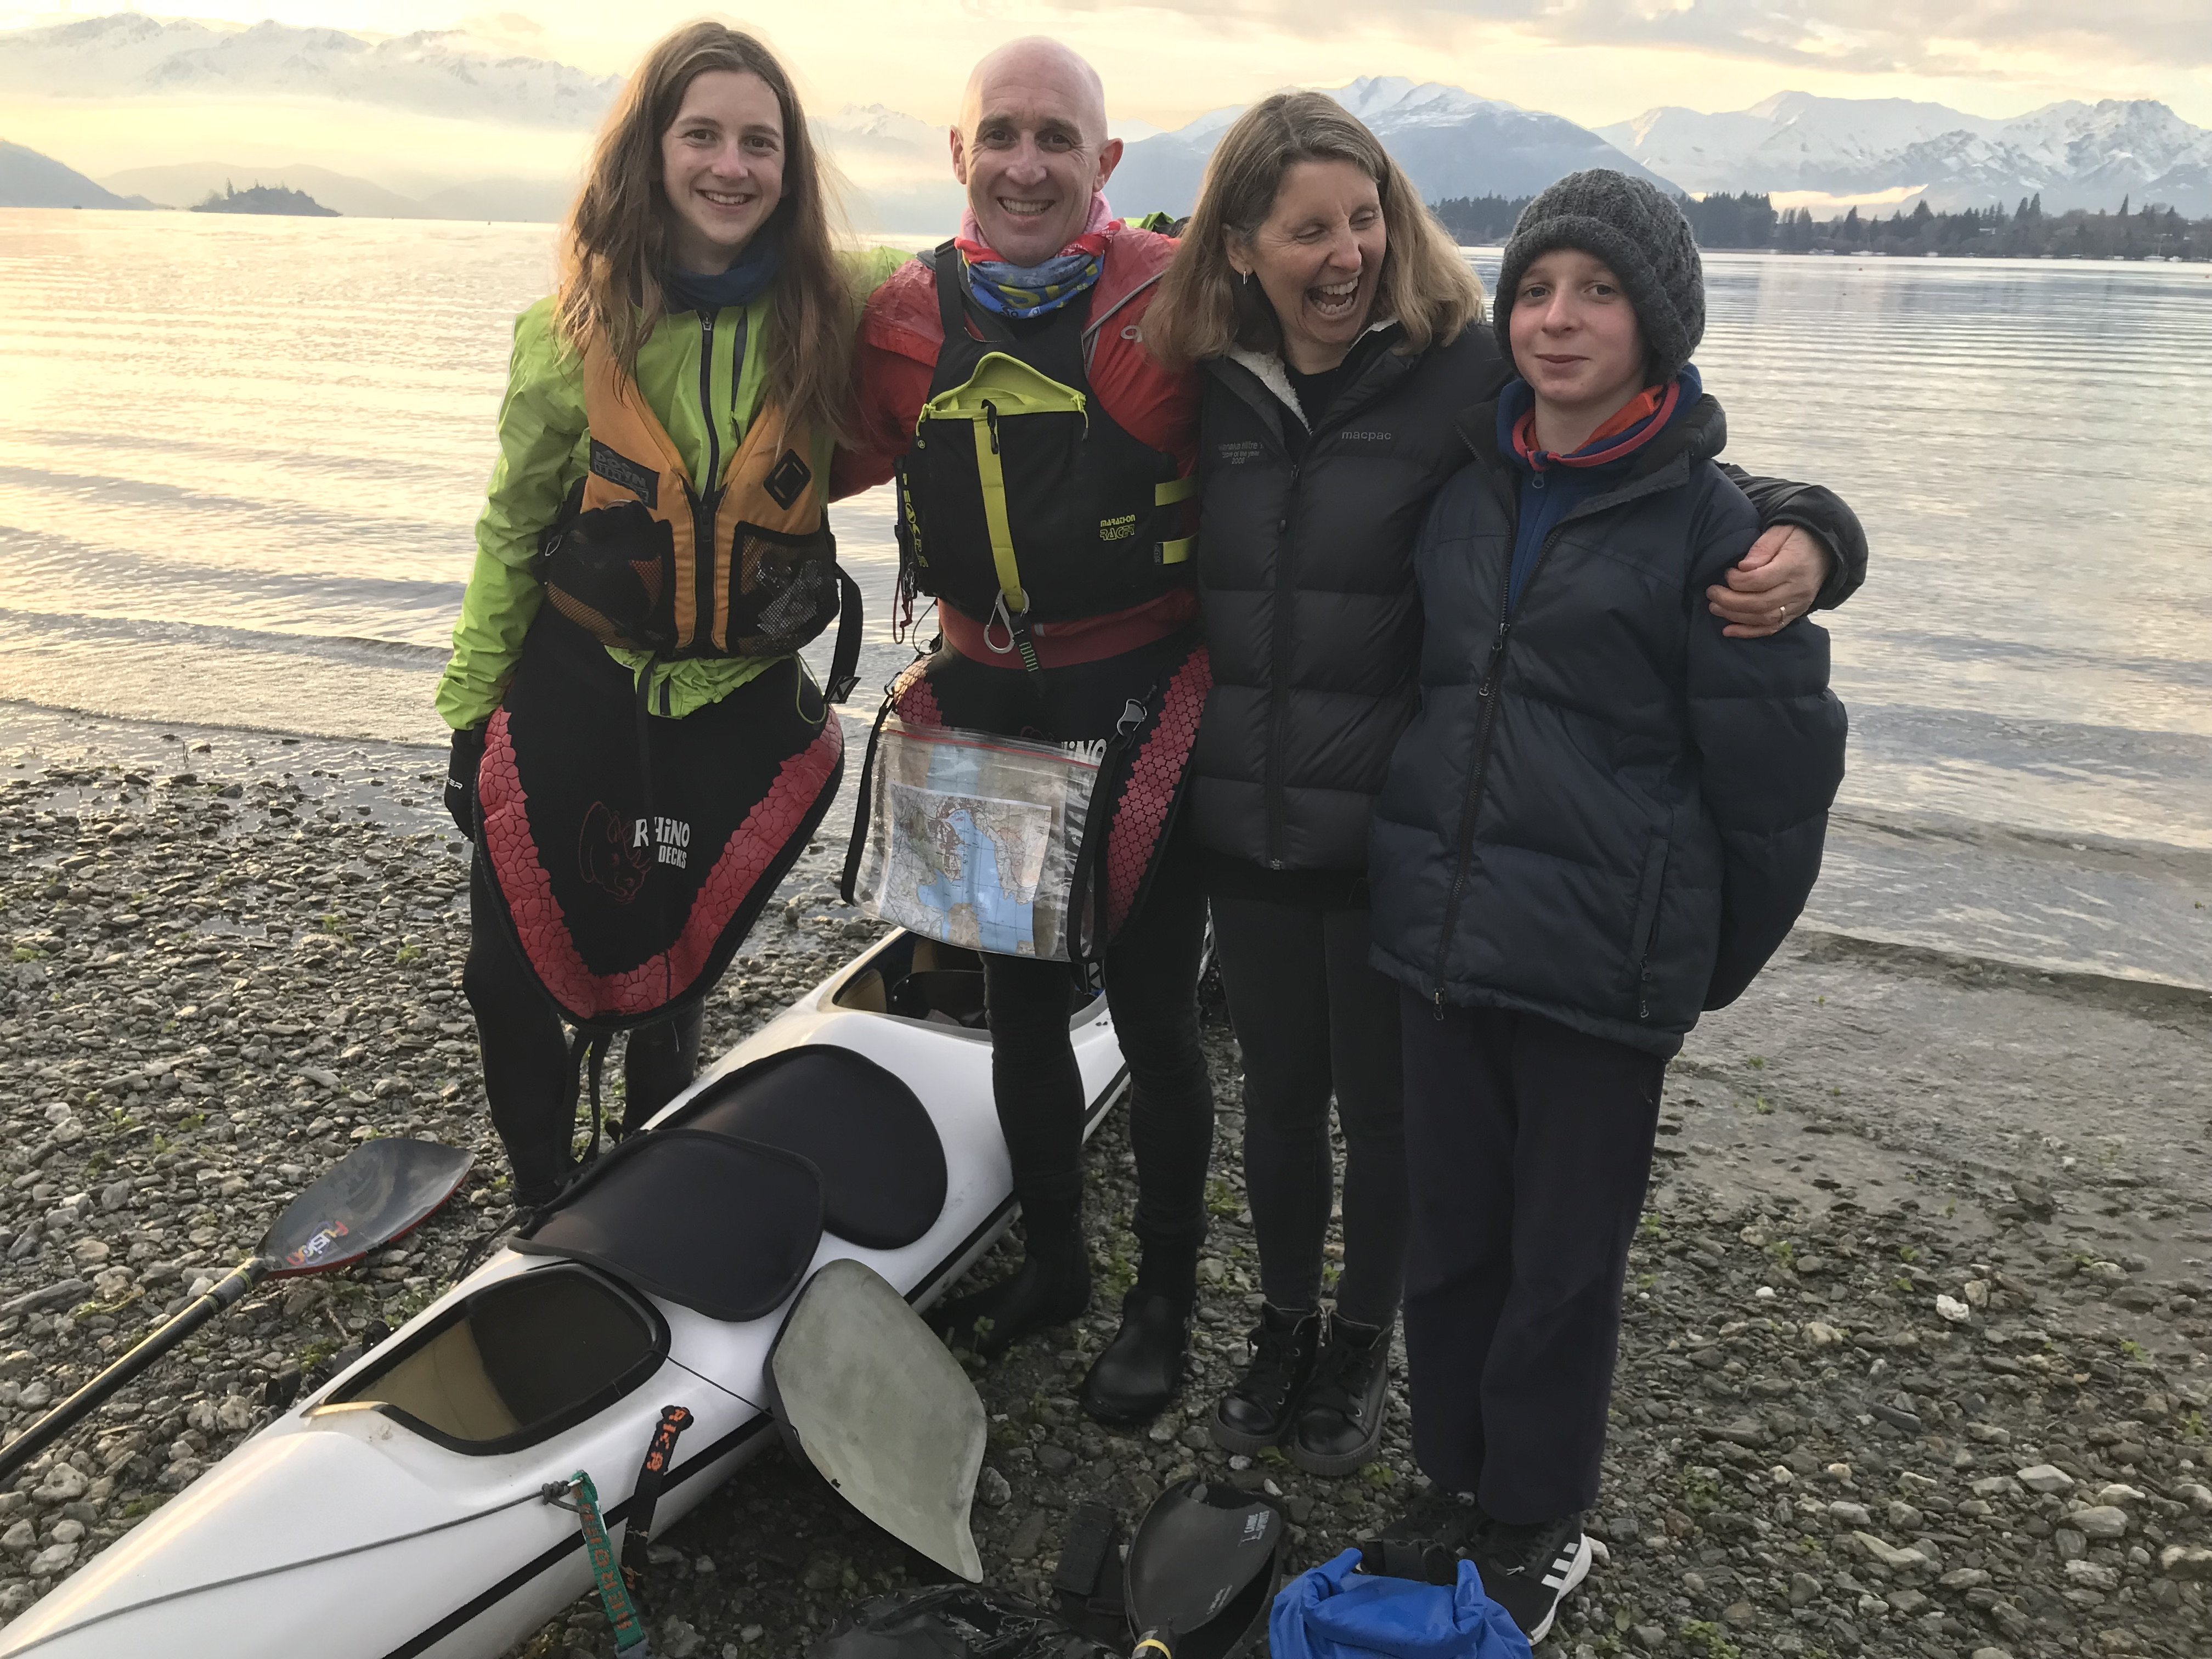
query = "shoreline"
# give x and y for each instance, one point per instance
(242, 973)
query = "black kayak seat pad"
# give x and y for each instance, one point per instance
(883, 1177)
(725, 1226)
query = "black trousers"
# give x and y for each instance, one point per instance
(1528, 1152)
(1313, 1020)
(526, 1053)
(1152, 991)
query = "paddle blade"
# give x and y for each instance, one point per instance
(375, 1192)
(878, 1404)
(1202, 1568)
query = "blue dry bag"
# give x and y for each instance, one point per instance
(1337, 1611)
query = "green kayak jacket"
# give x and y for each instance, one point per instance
(544, 448)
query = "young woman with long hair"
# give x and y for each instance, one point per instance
(638, 751)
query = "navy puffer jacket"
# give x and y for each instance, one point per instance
(1604, 812)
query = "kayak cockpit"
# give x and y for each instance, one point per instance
(513, 1363)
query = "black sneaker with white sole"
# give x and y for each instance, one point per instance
(1529, 1571)
(1437, 1516)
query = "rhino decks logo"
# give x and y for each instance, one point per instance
(616, 855)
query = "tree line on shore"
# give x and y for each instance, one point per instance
(1750, 221)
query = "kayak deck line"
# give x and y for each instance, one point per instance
(151, 1601)
(614, 1516)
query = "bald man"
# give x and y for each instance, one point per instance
(1089, 639)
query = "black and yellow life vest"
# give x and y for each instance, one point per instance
(1021, 499)
(643, 561)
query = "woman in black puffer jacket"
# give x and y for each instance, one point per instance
(1340, 334)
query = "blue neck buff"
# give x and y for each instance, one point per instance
(1032, 290)
(744, 282)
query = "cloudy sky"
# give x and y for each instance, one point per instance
(1592, 60)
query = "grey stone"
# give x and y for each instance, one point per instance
(2186, 1561)
(2100, 1520)
(2045, 1477)
(1887, 1553)
(2092, 1575)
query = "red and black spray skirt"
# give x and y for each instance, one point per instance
(1137, 712)
(631, 856)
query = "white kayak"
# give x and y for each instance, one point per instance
(401, 1510)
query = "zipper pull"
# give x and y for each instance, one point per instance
(1440, 1004)
(991, 421)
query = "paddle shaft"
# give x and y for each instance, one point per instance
(89, 1399)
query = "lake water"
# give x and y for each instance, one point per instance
(241, 459)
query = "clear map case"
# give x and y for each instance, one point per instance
(972, 837)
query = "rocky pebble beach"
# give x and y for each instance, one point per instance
(1915, 1352)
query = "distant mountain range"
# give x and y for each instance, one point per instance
(1454, 142)
(441, 73)
(1451, 142)
(2073, 155)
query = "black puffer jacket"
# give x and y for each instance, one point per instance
(1306, 581)
(1605, 813)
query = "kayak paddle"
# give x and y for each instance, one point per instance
(376, 1193)
(1201, 1570)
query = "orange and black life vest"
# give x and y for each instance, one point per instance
(643, 560)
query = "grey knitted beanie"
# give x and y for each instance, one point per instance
(1638, 230)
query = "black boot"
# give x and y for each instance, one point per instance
(1051, 1287)
(1340, 1425)
(1142, 1367)
(1257, 1412)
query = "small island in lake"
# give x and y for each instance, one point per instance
(265, 199)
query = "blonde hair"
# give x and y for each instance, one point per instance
(1203, 309)
(616, 242)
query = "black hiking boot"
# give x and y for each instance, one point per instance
(1340, 1424)
(1256, 1413)
(1140, 1372)
(1051, 1287)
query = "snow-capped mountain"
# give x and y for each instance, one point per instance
(1452, 142)
(442, 72)
(2074, 155)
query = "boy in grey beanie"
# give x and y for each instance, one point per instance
(1603, 818)
(1637, 230)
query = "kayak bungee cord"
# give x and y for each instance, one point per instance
(554, 1494)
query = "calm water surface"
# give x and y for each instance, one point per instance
(241, 459)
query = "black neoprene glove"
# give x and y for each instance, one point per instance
(461, 778)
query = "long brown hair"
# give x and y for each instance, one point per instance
(1203, 309)
(616, 242)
